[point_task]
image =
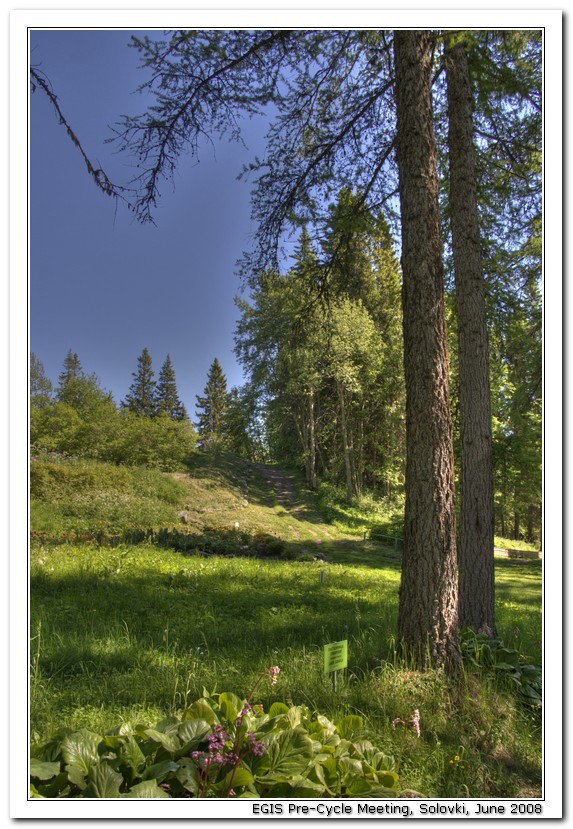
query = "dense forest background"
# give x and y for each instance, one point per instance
(325, 388)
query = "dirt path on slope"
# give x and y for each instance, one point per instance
(282, 487)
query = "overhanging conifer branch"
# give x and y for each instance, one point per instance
(98, 175)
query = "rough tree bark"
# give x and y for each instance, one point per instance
(476, 530)
(428, 614)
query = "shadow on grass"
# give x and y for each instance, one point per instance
(519, 565)
(226, 603)
(233, 611)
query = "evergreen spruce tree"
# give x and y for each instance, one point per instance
(166, 397)
(212, 409)
(72, 370)
(141, 396)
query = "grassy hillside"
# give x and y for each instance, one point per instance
(125, 632)
(98, 498)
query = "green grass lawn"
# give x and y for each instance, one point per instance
(133, 633)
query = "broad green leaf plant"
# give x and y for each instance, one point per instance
(220, 746)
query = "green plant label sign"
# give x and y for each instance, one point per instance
(335, 656)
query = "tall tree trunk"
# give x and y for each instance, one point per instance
(359, 454)
(346, 443)
(311, 440)
(428, 613)
(302, 429)
(530, 517)
(503, 500)
(516, 522)
(475, 554)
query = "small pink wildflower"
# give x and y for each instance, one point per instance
(246, 709)
(258, 748)
(274, 671)
(414, 718)
(217, 739)
(199, 757)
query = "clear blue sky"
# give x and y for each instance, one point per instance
(101, 284)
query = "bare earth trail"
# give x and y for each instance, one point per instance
(282, 489)
(225, 490)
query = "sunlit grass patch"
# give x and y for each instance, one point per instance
(139, 632)
(135, 632)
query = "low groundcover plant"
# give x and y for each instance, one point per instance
(220, 746)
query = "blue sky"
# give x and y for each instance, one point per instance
(102, 284)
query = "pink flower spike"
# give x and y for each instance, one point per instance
(415, 720)
(258, 748)
(274, 671)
